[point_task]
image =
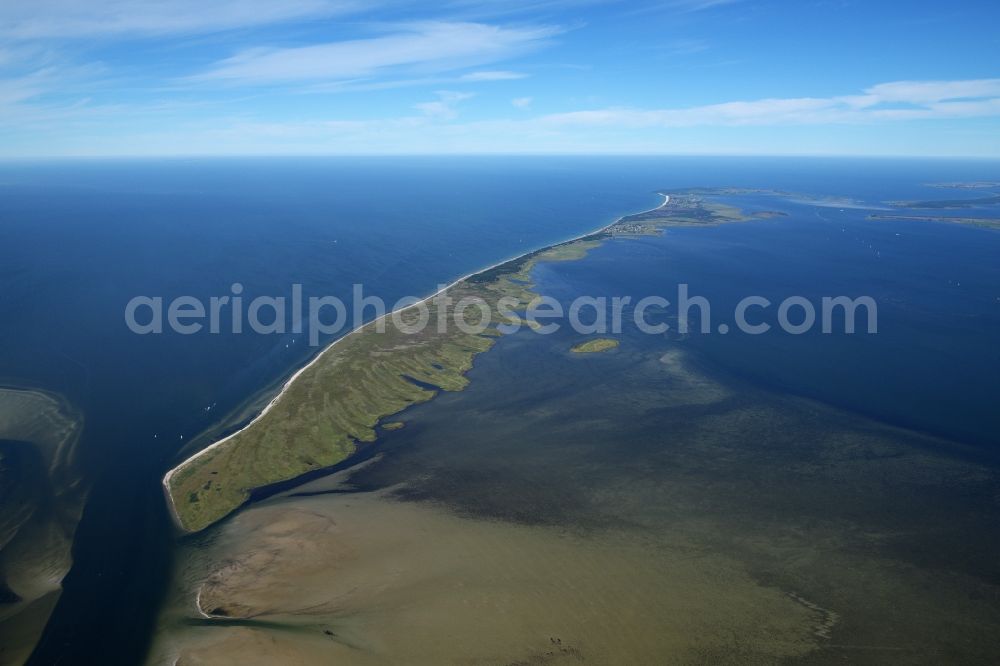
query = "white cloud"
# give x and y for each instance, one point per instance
(492, 76)
(36, 19)
(521, 102)
(425, 46)
(13, 91)
(26, 88)
(696, 5)
(443, 108)
(436, 127)
(902, 100)
(361, 85)
(924, 92)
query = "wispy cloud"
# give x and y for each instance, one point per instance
(18, 91)
(40, 19)
(685, 46)
(426, 47)
(922, 92)
(677, 7)
(362, 85)
(443, 108)
(696, 5)
(231, 76)
(492, 76)
(898, 101)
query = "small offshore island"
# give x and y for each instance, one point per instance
(595, 346)
(333, 405)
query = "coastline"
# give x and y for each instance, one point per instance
(520, 480)
(165, 483)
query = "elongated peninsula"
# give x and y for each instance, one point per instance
(334, 404)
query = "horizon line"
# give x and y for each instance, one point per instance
(217, 156)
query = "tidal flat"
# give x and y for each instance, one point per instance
(646, 506)
(632, 509)
(41, 500)
(640, 507)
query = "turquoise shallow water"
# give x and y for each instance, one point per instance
(77, 240)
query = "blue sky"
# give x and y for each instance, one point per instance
(236, 77)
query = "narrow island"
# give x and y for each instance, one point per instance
(971, 185)
(332, 406)
(949, 203)
(981, 222)
(595, 346)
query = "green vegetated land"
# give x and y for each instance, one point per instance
(337, 402)
(595, 346)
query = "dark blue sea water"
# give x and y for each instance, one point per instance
(79, 239)
(933, 363)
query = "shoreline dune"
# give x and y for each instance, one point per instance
(359, 329)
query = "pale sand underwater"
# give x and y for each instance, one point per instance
(684, 520)
(41, 500)
(397, 582)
